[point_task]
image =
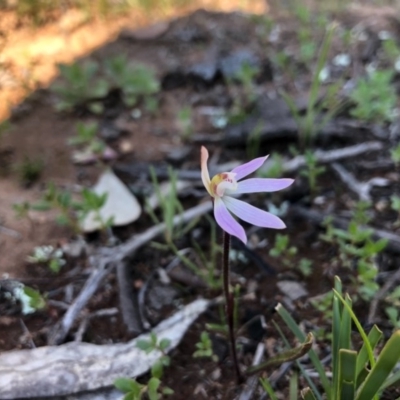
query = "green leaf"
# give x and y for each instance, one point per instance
(152, 388)
(374, 337)
(157, 369)
(387, 360)
(126, 385)
(164, 343)
(36, 301)
(55, 265)
(167, 391)
(292, 325)
(347, 373)
(268, 388)
(145, 345)
(284, 356)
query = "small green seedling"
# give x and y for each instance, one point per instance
(395, 204)
(185, 122)
(305, 266)
(209, 272)
(79, 84)
(29, 171)
(71, 210)
(391, 50)
(395, 155)
(307, 46)
(154, 345)
(357, 245)
(153, 389)
(253, 141)
(274, 170)
(204, 347)
(283, 250)
(136, 82)
(85, 134)
(93, 202)
(48, 255)
(312, 170)
(394, 316)
(375, 98)
(30, 299)
(311, 123)
(246, 75)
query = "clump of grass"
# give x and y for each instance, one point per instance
(29, 171)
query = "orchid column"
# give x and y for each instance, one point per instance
(222, 187)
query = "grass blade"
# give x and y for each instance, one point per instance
(374, 336)
(292, 325)
(347, 374)
(385, 363)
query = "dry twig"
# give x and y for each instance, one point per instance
(106, 259)
(362, 189)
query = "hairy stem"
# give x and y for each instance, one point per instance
(229, 303)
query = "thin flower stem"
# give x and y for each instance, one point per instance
(229, 303)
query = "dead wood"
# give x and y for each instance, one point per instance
(106, 259)
(362, 189)
(329, 156)
(383, 291)
(78, 367)
(128, 300)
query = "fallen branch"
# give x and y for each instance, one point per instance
(324, 157)
(79, 367)
(389, 284)
(107, 259)
(128, 300)
(362, 189)
(292, 165)
(62, 328)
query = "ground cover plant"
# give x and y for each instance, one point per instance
(296, 113)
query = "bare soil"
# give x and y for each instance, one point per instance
(173, 49)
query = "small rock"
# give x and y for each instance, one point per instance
(294, 290)
(125, 146)
(75, 249)
(231, 64)
(179, 154)
(160, 296)
(109, 131)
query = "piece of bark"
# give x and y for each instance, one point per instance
(78, 367)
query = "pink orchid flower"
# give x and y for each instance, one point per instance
(225, 185)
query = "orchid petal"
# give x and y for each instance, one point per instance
(227, 222)
(253, 215)
(205, 176)
(257, 185)
(246, 169)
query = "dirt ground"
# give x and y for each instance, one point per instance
(181, 52)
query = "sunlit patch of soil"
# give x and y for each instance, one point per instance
(29, 56)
